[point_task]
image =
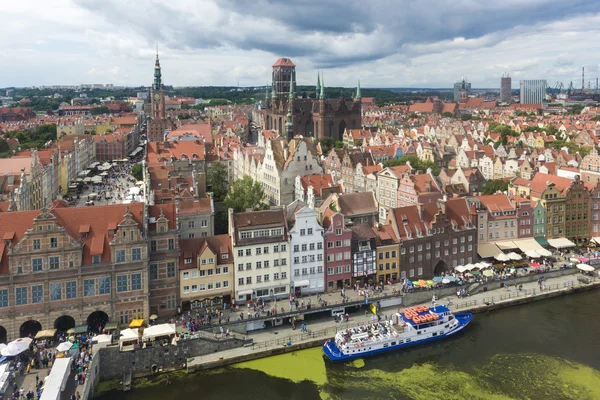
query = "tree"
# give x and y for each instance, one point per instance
(4, 147)
(99, 110)
(494, 186)
(216, 180)
(244, 194)
(339, 145)
(137, 172)
(415, 162)
(448, 114)
(551, 130)
(326, 144)
(465, 117)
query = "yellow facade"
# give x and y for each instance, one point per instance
(388, 262)
(208, 280)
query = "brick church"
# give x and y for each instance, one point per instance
(159, 123)
(320, 117)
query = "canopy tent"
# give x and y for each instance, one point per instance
(482, 265)
(488, 272)
(461, 268)
(437, 279)
(528, 244)
(64, 346)
(585, 267)
(502, 257)
(81, 329)
(422, 283)
(45, 334)
(57, 379)
(507, 245)
(475, 273)
(469, 267)
(560, 243)
(532, 254)
(99, 339)
(596, 239)
(136, 323)
(155, 331)
(543, 252)
(16, 347)
(514, 256)
(129, 334)
(487, 250)
(111, 325)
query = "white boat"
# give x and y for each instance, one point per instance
(413, 326)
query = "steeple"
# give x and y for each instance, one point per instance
(266, 95)
(157, 75)
(322, 93)
(318, 88)
(273, 94)
(358, 90)
(292, 86)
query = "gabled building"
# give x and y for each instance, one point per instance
(364, 259)
(338, 250)
(388, 254)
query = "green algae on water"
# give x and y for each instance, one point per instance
(297, 366)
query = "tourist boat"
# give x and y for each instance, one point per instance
(413, 326)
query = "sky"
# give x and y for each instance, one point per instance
(385, 43)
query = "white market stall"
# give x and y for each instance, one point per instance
(585, 267)
(159, 332)
(502, 257)
(129, 338)
(16, 347)
(57, 380)
(4, 374)
(560, 243)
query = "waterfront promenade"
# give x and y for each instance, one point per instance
(274, 341)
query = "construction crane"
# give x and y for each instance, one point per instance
(570, 90)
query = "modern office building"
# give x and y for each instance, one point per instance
(533, 91)
(505, 88)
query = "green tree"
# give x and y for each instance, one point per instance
(216, 180)
(4, 147)
(137, 172)
(494, 186)
(244, 194)
(415, 163)
(99, 110)
(551, 129)
(448, 114)
(413, 116)
(326, 144)
(465, 117)
(339, 145)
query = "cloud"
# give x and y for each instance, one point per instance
(218, 42)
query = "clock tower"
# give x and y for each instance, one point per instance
(157, 94)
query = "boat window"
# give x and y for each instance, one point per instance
(434, 334)
(385, 345)
(419, 332)
(445, 326)
(393, 343)
(408, 340)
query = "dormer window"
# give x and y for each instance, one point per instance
(188, 261)
(224, 256)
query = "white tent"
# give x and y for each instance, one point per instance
(514, 256)
(502, 257)
(543, 252)
(16, 347)
(159, 330)
(532, 254)
(129, 337)
(57, 380)
(460, 268)
(560, 243)
(64, 346)
(585, 267)
(102, 339)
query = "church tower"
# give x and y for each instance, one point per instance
(157, 93)
(284, 76)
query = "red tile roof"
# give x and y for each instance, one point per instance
(284, 62)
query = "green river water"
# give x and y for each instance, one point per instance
(544, 350)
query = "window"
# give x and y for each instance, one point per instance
(203, 223)
(21, 296)
(338, 231)
(194, 274)
(36, 264)
(53, 243)
(89, 287)
(71, 289)
(122, 283)
(276, 276)
(302, 232)
(258, 251)
(304, 247)
(259, 279)
(420, 271)
(319, 246)
(171, 244)
(283, 247)
(412, 273)
(265, 250)
(120, 255)
(248, 252)
(186, 289)
(104, 285)
(296, 248)
(36, 243)
(248, 280)
(240, 281)
(136, 281)
(283, 275)
(154, 272)
(152, 246)
(170, 269)
(136, 254)
(96, 259)
(54, 262)
(276, 249)
(225, 284)
(310, 231)
(37, 294)
(55, 291)
(191, 224)
(240, 253)
(4, 298)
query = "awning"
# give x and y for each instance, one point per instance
(542, 241)
(129, 334)
(302, 283)
(527, 244)
(560, 243)
(244, 292)
(596, 239)
(487, 250)
(136, 323)
(111, 325)
(507, 245)
(159, 330)
(81, 329)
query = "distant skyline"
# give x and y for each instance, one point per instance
(388, 43)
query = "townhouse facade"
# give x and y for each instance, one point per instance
(338, 250)
(307, 253)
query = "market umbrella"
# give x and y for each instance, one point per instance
(2, 346)
(543, 252)
(71, 331)
(461, 268)
(153, 317)
(475, 272)
(64, 346)
(585, 267)
(408, 282)
(573, 259)
(446, 280)
(422, 283)
(437, 279)
(502, 257)
(488, 272)
(16, 347)
(430, 282)
(514, 256)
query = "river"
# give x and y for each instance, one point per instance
(544, 350)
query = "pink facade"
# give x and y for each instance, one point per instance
(524, 218)
(338, 254)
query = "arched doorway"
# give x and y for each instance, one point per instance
(341, 130)
(30, 328)
(3, 335)
(96, 321)
(64, 323)
(440, 267)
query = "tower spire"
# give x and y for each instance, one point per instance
(292, 85)
(358, 90)
(322, 93)
(157, 75)
(318, 88)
